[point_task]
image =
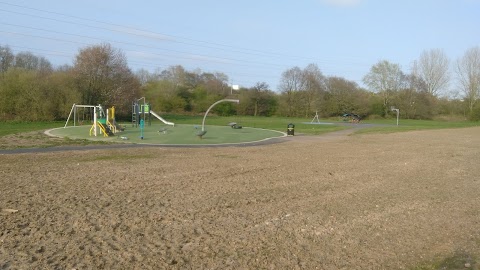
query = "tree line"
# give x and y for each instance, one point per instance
(31, 89)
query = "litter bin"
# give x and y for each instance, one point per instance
(291, 129)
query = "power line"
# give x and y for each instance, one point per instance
(170, 53)
(174, 38)
(193, 57)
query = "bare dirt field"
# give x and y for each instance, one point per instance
(387, 201)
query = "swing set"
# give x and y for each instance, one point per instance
(103, 123)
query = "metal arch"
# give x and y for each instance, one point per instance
(213, 105)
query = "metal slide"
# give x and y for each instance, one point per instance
(161, 119)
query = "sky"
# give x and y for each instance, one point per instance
(250, 41)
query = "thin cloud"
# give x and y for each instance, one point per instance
(342, 3)
(145, 34)
(192, 57)
(204, 58)
(145, 55)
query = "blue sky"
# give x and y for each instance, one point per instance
(251, 40)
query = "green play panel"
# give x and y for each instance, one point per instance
(179, 134)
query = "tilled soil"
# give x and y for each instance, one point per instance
(388, 201)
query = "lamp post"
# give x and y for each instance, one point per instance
(396, 110)
(234, 87)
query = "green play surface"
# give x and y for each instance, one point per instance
(179, 134)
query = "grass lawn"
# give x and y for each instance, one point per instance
(7, 128)
(409, 125)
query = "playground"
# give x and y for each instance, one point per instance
(159, 133)
(148, 127)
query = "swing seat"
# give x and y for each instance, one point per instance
(201, 133)
(234, 125)
(163, 130)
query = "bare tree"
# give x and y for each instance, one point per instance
(314, 83)
(174, 74)
(29, 61)
(468, 71)
(385, 78)
(103, 76)
(256, 96)
(290, 85)
(143, 76)
(433, 69)
(6, 59)
(216, 83)
(302, 90)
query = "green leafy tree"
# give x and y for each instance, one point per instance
(30, 95)
(340, 98)
(225, 109)
(20, 95)
(186, 95)
(345, 96)
(31, 90)
(177, 90)
(59, 94)
(256, 96)
(200, 99)
(161, 95)
(451, 108)
(257, 101)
